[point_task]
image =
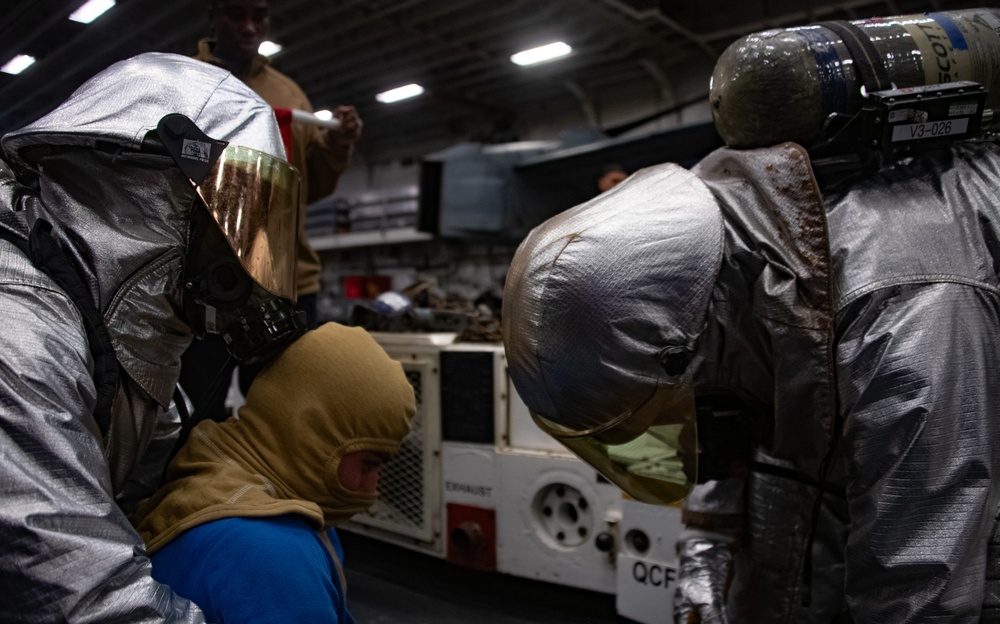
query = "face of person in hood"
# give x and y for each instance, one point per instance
(359, 471)
(240, 26)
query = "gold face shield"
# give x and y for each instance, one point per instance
(650, 452)
(254, 198)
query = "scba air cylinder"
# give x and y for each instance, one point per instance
(783, 85)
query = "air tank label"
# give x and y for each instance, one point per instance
(956, 110)
(989, 20)
(907, 114)
(943, 60)
(955, 35)
(955, 47)
(935, 129)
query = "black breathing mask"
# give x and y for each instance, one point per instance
(221, 298)
(239, 274)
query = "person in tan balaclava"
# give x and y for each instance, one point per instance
(243, 526)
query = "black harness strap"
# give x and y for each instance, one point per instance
(800, 477)
(866, 57)
(190, 419)
(45, 253)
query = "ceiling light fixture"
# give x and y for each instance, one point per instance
(400, 93)
(17, 64)
(91, 10)
(268, 48)
(541, 54)
(324, 114)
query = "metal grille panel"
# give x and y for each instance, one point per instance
(402, 505)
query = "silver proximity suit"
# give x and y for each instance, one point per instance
(861, 322)
(913, 259)
(123, 218)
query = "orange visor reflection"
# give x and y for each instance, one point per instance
(254, 198)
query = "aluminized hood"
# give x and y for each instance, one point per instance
(124, 216)
(603, 307)
(596, 293)
(124, 102)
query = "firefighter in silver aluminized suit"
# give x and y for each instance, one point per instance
(155, 204)
(845, 337)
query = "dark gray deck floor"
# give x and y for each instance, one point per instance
(391, 585)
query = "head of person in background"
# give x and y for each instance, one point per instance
(243, 525)
(239, 27)
(611, 176)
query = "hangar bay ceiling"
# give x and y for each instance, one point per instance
(346, 51)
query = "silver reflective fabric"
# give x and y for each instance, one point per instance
(124, 102)
(918, 356)
(772, 308)
(702, 576)
(868, 307)
(597, 270)
(612, 253)
(123, 218)
(913, 259)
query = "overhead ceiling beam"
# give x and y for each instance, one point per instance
(667, 95)
(417, 38)
(797, 18)
(17, 38)
(57, 74)
(309, 43)
(657, 15)
(586, 103)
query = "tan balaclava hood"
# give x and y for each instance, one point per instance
(334, 391)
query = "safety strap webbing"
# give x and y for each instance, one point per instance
(44, 251)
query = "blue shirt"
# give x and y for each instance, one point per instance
(256, 570)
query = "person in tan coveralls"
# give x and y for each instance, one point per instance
(238, 27)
